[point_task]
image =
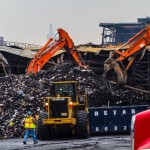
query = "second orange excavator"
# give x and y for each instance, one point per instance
(50, 48)
(114, 66)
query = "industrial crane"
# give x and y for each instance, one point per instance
(50, 48)
(114, 64)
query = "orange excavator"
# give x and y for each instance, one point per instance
(50, 48)
(114, 68)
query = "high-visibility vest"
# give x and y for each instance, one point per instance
(29, 123)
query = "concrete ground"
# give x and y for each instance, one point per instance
(119, 142)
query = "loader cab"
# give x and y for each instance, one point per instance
(65, 89)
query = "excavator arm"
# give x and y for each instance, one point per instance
(50, 48)
(114, 65)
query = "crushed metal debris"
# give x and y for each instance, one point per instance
(21, 93)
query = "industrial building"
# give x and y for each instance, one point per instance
(119, 33)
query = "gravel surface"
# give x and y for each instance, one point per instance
(121, 142)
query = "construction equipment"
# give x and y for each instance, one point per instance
(115, 68)
(140, 133)
(50, 48)
(65, 111)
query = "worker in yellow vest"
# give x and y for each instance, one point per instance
(30, 125)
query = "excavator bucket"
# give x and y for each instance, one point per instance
(114, 76)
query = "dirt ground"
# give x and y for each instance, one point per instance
(119, 142)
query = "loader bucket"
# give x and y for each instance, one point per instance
(114, 76)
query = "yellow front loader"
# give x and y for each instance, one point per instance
(65, 111)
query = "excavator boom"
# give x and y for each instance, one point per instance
(139, 41)
(50, 48)
(114, 64)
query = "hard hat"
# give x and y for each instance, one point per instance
(29, 113)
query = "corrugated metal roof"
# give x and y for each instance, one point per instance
(30, 53)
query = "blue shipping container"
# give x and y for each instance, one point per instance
(116, 119)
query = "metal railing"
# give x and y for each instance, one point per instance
(20, 45)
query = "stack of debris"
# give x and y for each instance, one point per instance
(19, 94)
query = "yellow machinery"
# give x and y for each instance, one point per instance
(65, 111)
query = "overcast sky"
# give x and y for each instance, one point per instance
(28, 21)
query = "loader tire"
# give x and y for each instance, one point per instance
(82, 124)
(43, 131)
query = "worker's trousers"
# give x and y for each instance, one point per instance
(30, 132)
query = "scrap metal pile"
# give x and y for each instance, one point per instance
(19, 94)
